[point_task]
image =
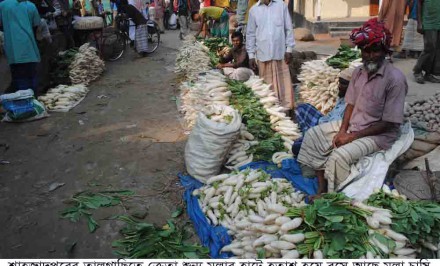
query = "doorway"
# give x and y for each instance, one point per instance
(374, 8)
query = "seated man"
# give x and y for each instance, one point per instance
(235, 63)
(375, 101)
(308, 116)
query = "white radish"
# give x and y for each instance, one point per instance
(277, 208)
(282, 220)
(404, 251)
(317, 254)
(212, 217)
(382, 219)
(282, 245)
(373, 223)
(293, 254)
(270, 219)
(295, 223)
(395, 236)
(293, 238)
(256, 219)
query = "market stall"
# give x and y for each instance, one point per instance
(245, 192)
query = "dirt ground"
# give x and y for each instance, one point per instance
(124, 135)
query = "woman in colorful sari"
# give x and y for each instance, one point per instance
(220, 16)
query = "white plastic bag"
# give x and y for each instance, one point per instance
(370, 172)
(209, 144)
(172, 21)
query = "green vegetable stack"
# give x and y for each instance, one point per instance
(61, 67)
(257, 121)
(343, 57)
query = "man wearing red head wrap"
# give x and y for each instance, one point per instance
(375, 100)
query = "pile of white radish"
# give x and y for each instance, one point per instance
(86, 66)
(425, 112)
(319, 85)
(251, 205)
(281, 123)
(238, 156)
(63, 98)
(192, 58)
(209, 94)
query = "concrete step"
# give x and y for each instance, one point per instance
(344, 34)
(342, 28)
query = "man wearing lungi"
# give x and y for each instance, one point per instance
(375, 101)
(307, 116)
(269, 43)
(141, 34)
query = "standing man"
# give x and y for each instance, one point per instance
(19, 20)
(428, 24)
(375, 101)
(183, 9)
(392, 13)
(141, 31)
(269, 39)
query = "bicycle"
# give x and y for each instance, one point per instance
(115, 39)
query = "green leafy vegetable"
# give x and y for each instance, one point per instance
(343, 57)
(83, 202)
(417, 220)
(144, 240)
(257, 121)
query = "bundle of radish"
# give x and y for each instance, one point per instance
(86, 66)
(415, 226)
(192, 58)
(257, 121)
(319, 85)
(279, 121)
(238, 156)
(209, 94)
(63, 98)
(425, 113)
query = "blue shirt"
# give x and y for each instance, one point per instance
(413, 10)
(336, 114)
(18, 20)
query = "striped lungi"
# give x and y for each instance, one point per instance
(276, 72)
(317, 152)
(142, 38)
(412, 41)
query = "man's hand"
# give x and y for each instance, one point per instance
(253, 64)
(343, 138)
(420, 28)
(288, 57)
(219, 66)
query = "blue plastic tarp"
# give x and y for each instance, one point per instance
(216, 237)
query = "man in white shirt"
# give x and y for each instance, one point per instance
(269, 43)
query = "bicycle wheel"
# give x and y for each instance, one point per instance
(153, 39)
(113, 46)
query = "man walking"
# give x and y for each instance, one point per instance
(269, 39)
(183, 7)
(19, 20)
(428, 25)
